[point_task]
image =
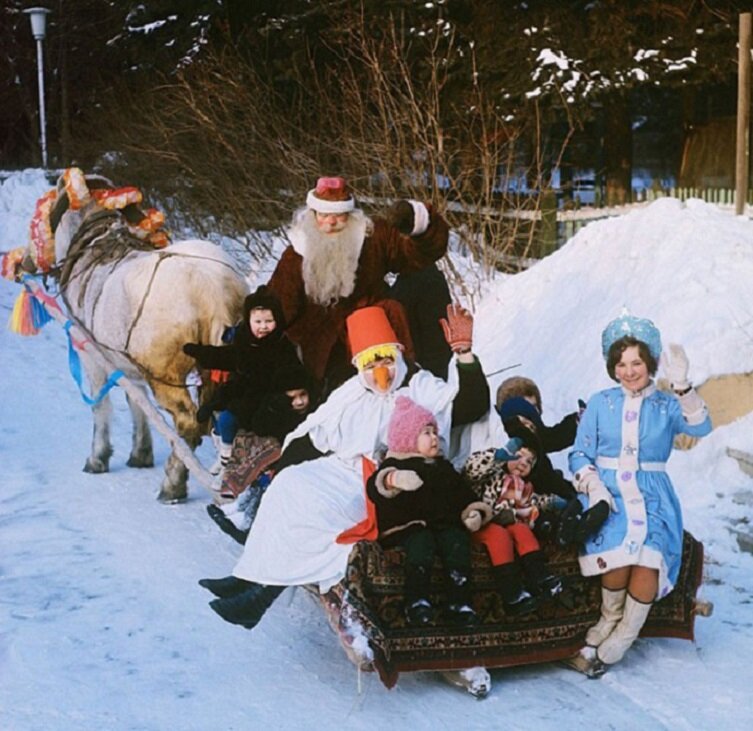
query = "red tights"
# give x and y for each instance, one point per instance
(503, 542)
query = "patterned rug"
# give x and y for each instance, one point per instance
(251, 455)
(371, 596)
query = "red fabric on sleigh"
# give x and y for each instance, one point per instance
(371, 596)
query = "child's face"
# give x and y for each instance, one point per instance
(299, 399)
(262, 322)
(427, 443)
(522, 464)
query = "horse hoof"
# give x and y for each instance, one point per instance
(96, 466)
(169, 499)
(140, 461)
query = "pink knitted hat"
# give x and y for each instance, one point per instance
(406, 422)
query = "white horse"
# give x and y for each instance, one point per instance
(141, 305)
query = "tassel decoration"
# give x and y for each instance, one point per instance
(29, 315)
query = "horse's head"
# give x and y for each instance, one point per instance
(71, 207)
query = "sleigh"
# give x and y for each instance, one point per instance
(366, 612)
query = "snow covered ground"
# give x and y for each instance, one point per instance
(102, 624)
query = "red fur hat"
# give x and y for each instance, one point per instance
(331, 195)
(406, 423)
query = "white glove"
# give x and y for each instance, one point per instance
(675, 365)
(472, 521)
(407, 480)
(587, 481)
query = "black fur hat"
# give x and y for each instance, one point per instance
(263, 297)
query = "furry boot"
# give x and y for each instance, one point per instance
(226, 451)
(614, 647)
(612, 607)
(217, 442)
(248, 607)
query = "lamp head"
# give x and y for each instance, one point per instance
(38, 18)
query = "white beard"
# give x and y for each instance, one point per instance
(330, 261)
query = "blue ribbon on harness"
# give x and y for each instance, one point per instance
(74, 363)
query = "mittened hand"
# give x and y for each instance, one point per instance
(204, 412)
(192, 349)
(675, 364)
(472, 521)
(406, 480)
(400, 216)
(458, 328)
(505, 517)
(581, 408)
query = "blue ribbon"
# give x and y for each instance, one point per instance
(74, 363)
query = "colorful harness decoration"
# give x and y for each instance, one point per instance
(145, 226)
(31, 310)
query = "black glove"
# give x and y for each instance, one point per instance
(504, 517)
(192, 349)
(400, 216)
(204, 412)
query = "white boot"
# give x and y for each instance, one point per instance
(613, 648)
(612, 607)
(217, 466)
(225, 451)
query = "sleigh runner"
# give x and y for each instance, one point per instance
(366, 611)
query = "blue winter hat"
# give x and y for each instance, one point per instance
(636, 327)
(518, 406)
(510, 451)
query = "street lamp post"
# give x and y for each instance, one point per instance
(38, 18)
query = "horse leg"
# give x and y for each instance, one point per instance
(142, 454)
(99, 459)
(178, 402)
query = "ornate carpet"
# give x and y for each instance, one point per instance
(371, 595)
(251, 455)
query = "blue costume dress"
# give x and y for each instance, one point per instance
(628, 437)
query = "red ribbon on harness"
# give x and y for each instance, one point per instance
(366, 530)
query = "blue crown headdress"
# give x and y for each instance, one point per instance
(637, 327)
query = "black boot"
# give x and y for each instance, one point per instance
(419, 612)
(223, 588)
(516, 599)
(539, 577)
(418, 607)
(459, 598)
(226, 525)
(248, 607)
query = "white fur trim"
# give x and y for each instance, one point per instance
(320, 206)
(420, 218)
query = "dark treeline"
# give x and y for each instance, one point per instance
(230, 108)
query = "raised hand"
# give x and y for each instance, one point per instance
(458, 328)
(675, 365)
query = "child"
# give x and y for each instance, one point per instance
(423, 505)
(499, 478)
(292, 398)
(258, 349)
(521, 417)
(553, 438)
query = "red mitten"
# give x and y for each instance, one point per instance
(458, 328)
